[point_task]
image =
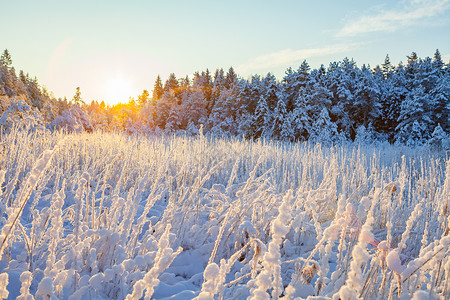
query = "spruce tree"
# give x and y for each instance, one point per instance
(300, 116)
(5, 59)
(387, 67)
(437, 60)
(366, 106)
(77, 97)
(171, 84)
(440, 96)
(230, 78)
(279, 115)
(143, 98)
(157, 89)
(414, 123)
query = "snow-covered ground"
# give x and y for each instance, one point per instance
(111, 216)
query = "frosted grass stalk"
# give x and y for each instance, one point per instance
(163, 259)
(128, 214)
(214, 276)
(417, 212)
(270, 276)
(35, 174)
(82, 183)
(337, 229)
(26, 279)
(210, 283)
(3, 284)
(354, 283)
(2, 179)
(446, 287)
(55, 230)
(435, 251)
(219, 236)
(149, 202)
(341, 224)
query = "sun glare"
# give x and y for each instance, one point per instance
(118, 89)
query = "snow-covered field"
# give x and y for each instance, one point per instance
(111, 216)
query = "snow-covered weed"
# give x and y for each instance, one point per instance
(111, 216)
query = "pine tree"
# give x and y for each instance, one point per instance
(222, 120)
(287, 130)
(249, 95)
(258, 123)
(411, 70)
(6, 81)
(19, 85)
(219, 78)
(23, 77)
(3, 70)
(77, 97)
(271, 90)
(157, 89)
(5, 59)
(185, 82)
(300, 116)
(340, 83)
(412, 58)
(414, 124)
(11, 82)
(279, 115)
(439, 139)
(192, 108)
(171, 85)
(366, 106)
(173, 122)
(162, 109)
(427, 74)
(437, 60)
(264, 110)
(440, 104)
(398, 93)
(254, 92)
(202, 82)
(323, 129)
(143, 98)
(292, 82)
(230, 78)
(387, 67)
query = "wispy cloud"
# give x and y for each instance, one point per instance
(390, 20)
(446, 58)
(288, 57)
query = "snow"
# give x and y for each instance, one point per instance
(393, 261)
(423, 295)
(186, 217)
(96, 280)
(211, 271)
(45, 288)
(3, 284)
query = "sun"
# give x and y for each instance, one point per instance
(118, 88)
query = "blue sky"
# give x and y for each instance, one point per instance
(115, 49)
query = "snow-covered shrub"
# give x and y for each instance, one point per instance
(439, 139)
(365, 135)
(73, 119)
(19, 113)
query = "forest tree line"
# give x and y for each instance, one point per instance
(407, 103)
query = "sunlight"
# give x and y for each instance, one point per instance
(117, 89)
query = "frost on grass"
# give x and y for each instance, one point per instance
(3, 284)
(103, 216)
(270, 276)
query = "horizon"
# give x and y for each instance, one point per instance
(84, 45)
